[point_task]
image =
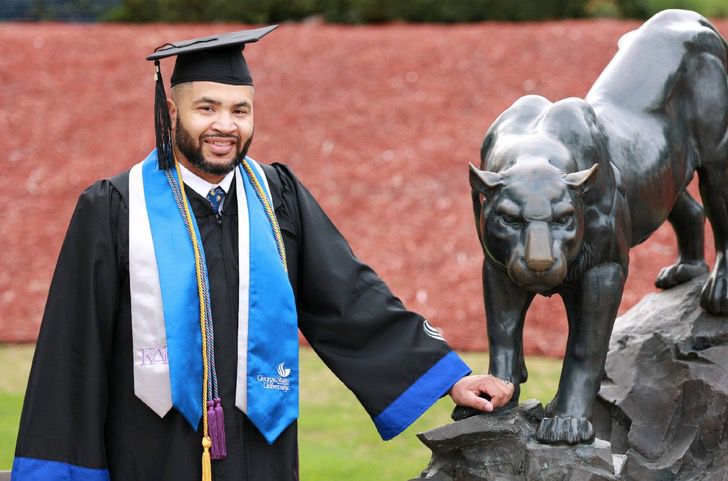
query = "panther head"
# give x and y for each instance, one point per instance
(531, 219)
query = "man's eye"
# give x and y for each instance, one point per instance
(205, 108)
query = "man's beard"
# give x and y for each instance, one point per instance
(193, 152)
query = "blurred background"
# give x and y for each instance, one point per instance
(343, 11)
(377, 106)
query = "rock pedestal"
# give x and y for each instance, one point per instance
(664, 400)
(661, 413)
(500, 447)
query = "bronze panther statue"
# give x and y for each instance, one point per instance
(567, 188)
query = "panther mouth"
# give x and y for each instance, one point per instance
(537, 287)
(536, 281)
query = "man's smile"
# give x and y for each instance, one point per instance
(221, 145)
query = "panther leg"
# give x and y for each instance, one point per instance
(688, 221)
(713, 182)
(505, 309)
(708, 103)
(591, 308)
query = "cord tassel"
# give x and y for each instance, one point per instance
(162, 122)
(206, 465)
(217, 429)
(216, 423)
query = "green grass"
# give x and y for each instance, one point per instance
(14, 368)
(339, 441)
(337, 438)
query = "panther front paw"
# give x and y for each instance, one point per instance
(569, 430)
(679, 273)
(714, 297)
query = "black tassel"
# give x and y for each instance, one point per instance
(162, 122)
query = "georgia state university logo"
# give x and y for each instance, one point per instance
(283, 371)
(279, 382)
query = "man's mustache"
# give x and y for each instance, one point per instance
(234, 137)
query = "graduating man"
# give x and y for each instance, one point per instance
(169, 344)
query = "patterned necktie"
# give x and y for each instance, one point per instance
(216, 196)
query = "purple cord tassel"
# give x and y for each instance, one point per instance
(212, 429)
(216, 427)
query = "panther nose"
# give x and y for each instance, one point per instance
(539, 265)
(538, 247)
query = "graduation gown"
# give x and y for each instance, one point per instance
(81, 419)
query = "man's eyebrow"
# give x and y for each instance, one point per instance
(209, 100)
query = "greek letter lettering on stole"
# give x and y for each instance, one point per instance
(151, 356)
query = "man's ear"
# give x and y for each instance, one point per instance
(484, 182)
(580, 182)
(172, 108)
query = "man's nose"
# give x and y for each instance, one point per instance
(225, 124)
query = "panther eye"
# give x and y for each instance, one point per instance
(564, 219)
(509, 219)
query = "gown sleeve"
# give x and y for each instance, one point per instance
(61, 434)
(396, 364)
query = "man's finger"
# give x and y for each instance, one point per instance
(470, 398)
(482, 392)
(507, 395)
(493, 387)
(480, 403)
(500, 401)
(499, 391)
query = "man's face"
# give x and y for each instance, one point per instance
(213, 126)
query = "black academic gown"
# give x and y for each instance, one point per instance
(81, 416)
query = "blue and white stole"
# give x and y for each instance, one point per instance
(166, 329)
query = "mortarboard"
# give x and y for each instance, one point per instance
(216, 58)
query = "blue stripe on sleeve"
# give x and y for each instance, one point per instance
(29, 469)
(430, 387)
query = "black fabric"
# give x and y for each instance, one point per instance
(212, 42)
(80, 406)
(347, 313)
(224, 65)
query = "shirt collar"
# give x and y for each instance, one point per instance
(200, 185)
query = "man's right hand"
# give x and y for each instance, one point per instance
(467, 392)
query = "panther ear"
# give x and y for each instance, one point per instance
(580, 182)
(483, 181)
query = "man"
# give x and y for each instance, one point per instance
(171, 328)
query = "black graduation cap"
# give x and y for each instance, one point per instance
(216, 58)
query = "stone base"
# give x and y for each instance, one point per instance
(501, 447)
(661, 413)
(664, 400)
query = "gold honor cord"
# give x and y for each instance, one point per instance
(268, 211)
(260, 193)
(206, 442)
